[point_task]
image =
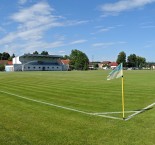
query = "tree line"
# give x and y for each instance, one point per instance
(132, 60)
(6, 56)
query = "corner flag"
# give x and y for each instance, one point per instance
(116, 73)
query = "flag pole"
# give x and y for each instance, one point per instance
(117, 73)
(123, 94)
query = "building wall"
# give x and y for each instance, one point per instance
(38, 64)
(20, 67)
(42, 68)
(17, 67)
(8, 68)
(16, 60)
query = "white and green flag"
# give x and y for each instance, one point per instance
(116, 73)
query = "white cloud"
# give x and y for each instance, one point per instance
(106, 44)
(70, 23)
(37, 15)
(103, 44)
(32, 24)
(78, 42)
(61, 51)
(22, 2)
(124, 5)
(121, 42)
(41, 14)
(101, 29)
(29, 47)
(106, 29)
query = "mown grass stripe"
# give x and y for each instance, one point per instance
(58, 106)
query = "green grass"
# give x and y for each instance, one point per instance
(24, 122)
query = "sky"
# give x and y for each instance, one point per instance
(99, 28)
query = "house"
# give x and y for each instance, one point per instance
(104, 64)
(113, 65)
(65, 63)
(153, 66)
(8, 65)
(91, 65)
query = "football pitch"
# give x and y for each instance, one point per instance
(76, 108)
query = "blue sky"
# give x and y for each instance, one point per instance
(99, 28)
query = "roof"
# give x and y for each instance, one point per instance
(66, 61)
(106, 62)
(6, 62)
(9, 62)
(113, 64)
(94, 62)
(39, 55)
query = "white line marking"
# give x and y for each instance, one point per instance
(142, 110)
(107, 116)
(114, 112)
(19, 96)
(58, 106)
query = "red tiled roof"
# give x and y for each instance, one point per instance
(6, 62)
(9, 62)
(113, 64)
(65, 61)
(106, 62)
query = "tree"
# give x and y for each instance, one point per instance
(5, 56)
(78, 60)
(95, 65)
(121, 58)
(35, 52)
(11, 57)
(0, 56)
(44, 53)
(141, 61)
(66, 57)
(2, 67)
(132, 60)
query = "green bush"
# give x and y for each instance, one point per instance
(2, 67)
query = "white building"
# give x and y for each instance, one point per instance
(31, 62)
(9, 68)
